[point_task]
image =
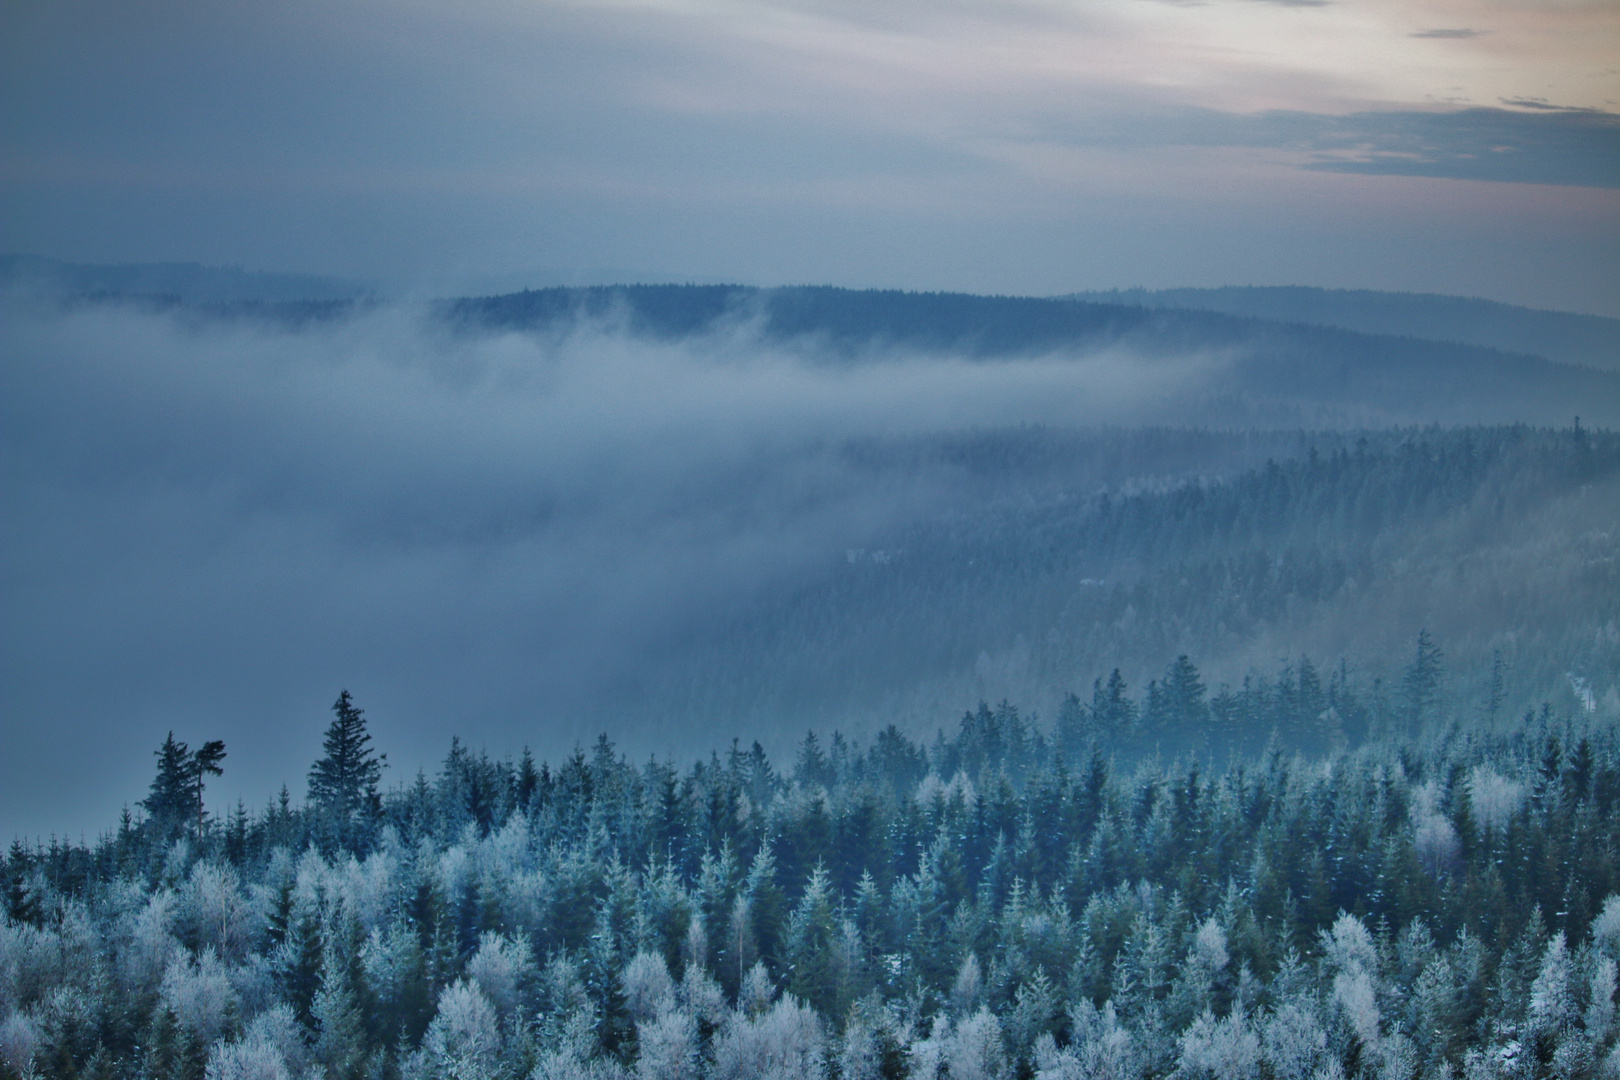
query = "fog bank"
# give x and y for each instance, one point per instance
(212, 526)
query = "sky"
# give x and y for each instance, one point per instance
(1454, 146)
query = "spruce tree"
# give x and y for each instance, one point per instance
(169, 803)
(22, 906)
(177, 790)
(1421, 682)
(1187, 713)
(528, 782)
(343, 784)
(808, 951)
(1112, 710)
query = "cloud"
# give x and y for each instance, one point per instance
(213, 527)
(1543, 105)
(785, 142)
(1569, 147)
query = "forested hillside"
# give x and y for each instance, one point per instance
(1500, 541)
(1272, 373)
(1256, 370)
(1592, 340)
(1443, 900)
(1124, 693)
(678, 514)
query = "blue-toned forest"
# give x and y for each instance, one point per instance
(1297, 756)
(1007, 901)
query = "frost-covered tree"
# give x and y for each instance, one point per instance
(668, 1045)
(648, 989)
(1225, 1049)
(785, 1042)
(200, 995)
(463, 1042)
(1016, 919)
(271, 1048)
(1293, 1042)
(504, 970)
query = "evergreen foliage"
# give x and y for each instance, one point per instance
(176, 796)
(1496, 541)
(1011, 901)
(343, 783)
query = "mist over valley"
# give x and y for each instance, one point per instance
(803, 682)
(687, 514)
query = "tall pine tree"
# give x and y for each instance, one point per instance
(169, 803)
(343, 783)
(1421, 681)
(203, 763)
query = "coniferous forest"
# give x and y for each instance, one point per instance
(1438, 898)
(810, 540)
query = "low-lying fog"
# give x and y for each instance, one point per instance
(211, 525)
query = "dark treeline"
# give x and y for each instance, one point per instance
(1006, 901)
(854, 320)
(1575, 339)
(1280, 373)
(1276, 373)
(1262, 372)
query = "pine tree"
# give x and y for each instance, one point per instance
(343, 784)
(170, 803)
(812, 767)
(236, 836)
(1495, 694)
(340, 1036)
(1112, 710)
(1072, 726)
(1187, 713)
(1421, 682)
(22, 905)
(528, 782)
(808, 947)
(177, 789)
(205, 762)
(302, 964)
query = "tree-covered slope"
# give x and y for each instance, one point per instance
(1004, 903)
(1591, 340)
(1259, 372)
(1500, 541)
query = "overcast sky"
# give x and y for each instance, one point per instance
(1462, 146)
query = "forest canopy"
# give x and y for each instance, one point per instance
(1400, 887)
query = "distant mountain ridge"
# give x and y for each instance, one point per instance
(984, 323)
(1570, 338)
(1251, 371)
(1271, 373)
(1288, 363)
